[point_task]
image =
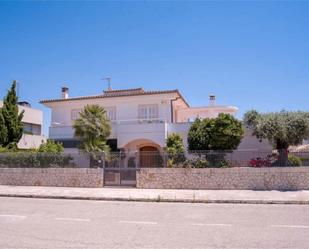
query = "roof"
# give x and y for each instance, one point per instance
(118, 93)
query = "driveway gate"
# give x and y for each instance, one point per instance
(120, 169)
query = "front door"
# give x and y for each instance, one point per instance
(149, 157)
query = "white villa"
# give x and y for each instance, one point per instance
(141, 120)
(32, 122)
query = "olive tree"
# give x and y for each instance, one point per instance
(282, 129)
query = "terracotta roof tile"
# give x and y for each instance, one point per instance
(123, 92)
(117, 93)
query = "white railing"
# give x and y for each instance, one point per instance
(64, 132)
(139, 121)
(134, 127)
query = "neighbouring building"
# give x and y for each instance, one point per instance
(32, 122)
(141, 120)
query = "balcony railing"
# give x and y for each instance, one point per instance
(139, 121)
(67, 132)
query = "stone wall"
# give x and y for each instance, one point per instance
(285, 178)
(57, 177)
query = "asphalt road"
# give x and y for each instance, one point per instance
(44, 223)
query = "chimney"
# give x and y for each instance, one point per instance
(212, 100)
(64, 92)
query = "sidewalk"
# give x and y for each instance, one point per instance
(159, 195)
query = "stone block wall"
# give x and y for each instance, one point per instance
(238, 178)
(56, 177)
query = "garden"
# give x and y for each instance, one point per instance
(213, 143)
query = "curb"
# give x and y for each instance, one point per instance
(158, 199)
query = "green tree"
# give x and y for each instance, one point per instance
(222, 133)
(3, 131)
(12, 119)
(215, 136)
(175, 148)
(282, 129)
(93, 128)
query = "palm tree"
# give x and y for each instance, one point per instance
(93, 128)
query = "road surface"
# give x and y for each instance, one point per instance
(47, 223)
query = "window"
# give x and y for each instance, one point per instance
(75, 114)
(111, 113)
(148, 111)
(31, 129)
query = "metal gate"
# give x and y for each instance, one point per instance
(120, 169)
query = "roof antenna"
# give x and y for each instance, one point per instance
(108, 79)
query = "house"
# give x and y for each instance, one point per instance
(141, 120)
(32, 123)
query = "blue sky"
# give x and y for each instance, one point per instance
(250, 54)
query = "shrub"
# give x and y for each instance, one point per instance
(51, 146)
(185, 164)
(48, 155)
(35, 160)
(175, 149)
(294, 160)
(200, 163)
(3, 149)
(260, 162)
(48, 160)
(224, 164)
(217, 160)
(170, 163)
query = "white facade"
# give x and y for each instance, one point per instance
(32, 122)
(139, 118)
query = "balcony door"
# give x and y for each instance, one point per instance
(148, 112)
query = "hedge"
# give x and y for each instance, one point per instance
(35, 160)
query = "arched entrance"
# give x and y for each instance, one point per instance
(149, 157)
(148, 153)
(120, 167)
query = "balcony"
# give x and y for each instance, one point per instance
(61, 132)
(67, 132)
(128, 131)
(122, 130)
